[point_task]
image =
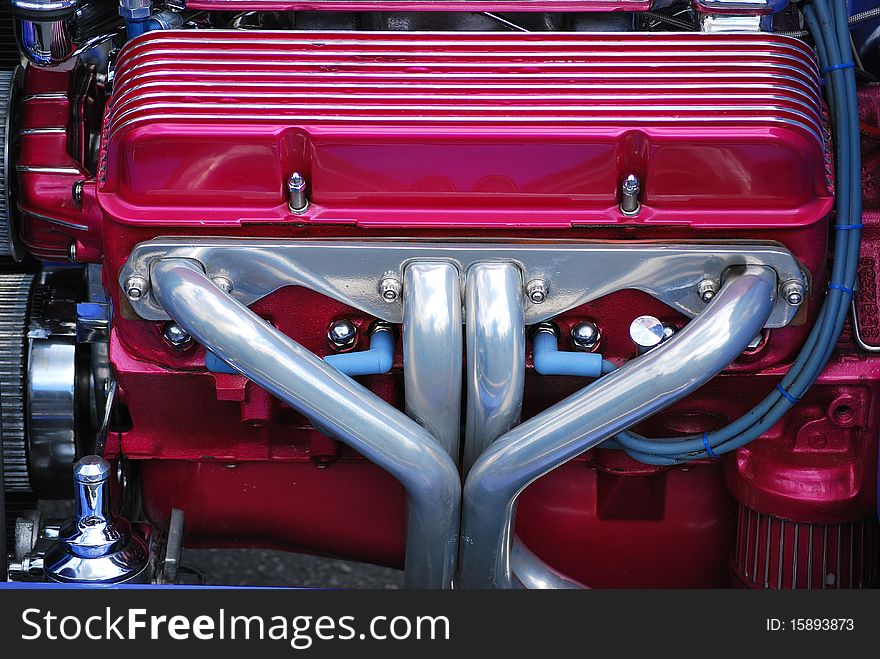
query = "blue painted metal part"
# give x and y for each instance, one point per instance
(378, 359)
(549, 360)
(136, 27)
(216, 365)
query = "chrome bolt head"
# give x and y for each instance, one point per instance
(342, 334)
(390, 288)
(223, 283)
(647, 332)
(298, 201)
(707, 289)
(585, 336)
(793, 292)
(178, 337)
(537, 291)
(631, 185)
(136, 287)
(629, 190)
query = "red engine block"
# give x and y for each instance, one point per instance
(487, 136)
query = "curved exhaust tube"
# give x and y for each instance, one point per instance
(496, 354)
(432, 350)
(532, 573)
(618, 401)
(335, 404)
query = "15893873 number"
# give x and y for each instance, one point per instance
(821, 624)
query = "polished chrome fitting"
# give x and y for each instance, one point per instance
(95, 546)
(390, 287)
(793, 292)
(136, 287)
(135, 9)
(537, 291)
(707, 289)
(647, 332)
(629, 196)
(51, 32)
(176, 336)
(296, 192)
(342, 334)
(585, 336)
(223, 283)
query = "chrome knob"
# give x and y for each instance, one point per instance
(647, 332)
(95, 546)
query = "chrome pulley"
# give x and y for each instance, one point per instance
(10, 242)
(45, 383)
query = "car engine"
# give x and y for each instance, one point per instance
(504, 293)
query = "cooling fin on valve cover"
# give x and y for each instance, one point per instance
(379, 124)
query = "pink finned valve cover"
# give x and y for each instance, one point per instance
(465, 130)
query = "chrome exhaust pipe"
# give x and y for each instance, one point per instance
(496, 354)
(335, 404)
(496, 349)
(534, 574)
(634, 392)
(432, 350)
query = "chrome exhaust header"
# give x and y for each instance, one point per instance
(634, 392)
(496, 350)
(432, 350)
(172, 278)
(336, 405)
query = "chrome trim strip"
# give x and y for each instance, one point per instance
(43, 131)
(44, 96)
(54, 220)
(38, 169)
